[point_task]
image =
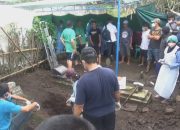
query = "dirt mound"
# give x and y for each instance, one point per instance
(55, 104)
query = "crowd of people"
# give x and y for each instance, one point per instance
(96, 92)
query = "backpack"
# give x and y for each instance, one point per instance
(106, 35)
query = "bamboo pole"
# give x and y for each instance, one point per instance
(17, 51)
(16, 46)
(22, 70)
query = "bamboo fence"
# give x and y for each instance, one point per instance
(27, 52)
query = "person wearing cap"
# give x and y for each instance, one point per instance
(97, 93)
(8, 108)
(68, 37)
(169, 71)
(126, 42)
(154, 45)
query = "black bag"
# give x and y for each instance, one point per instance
(106, 35)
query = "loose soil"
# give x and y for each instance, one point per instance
(40, 86)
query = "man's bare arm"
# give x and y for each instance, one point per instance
(78, 109)
(117, 96)
(19, 98)
(62, 40)
(30, 107)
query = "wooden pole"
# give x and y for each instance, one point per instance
(16, 46)
(24, 50)
(20, 71)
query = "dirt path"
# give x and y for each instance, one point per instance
(41, 86)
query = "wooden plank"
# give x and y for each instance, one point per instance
(139, 95)
(17, 51)
(145, 100)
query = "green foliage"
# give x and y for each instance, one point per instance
(40, 35)
(37, 31)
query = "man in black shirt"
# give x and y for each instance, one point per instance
(95, 39)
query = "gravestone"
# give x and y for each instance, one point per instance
(15, 89)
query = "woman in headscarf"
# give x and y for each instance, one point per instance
(169, 71)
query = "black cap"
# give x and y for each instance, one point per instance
(3, 89)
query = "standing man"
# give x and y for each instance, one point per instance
(95, 39)
(154, 45)
(144, 43)
(111, 41)
(8, 108)
(68, 39)
(81, 39)
(126, 42)
(97, 93)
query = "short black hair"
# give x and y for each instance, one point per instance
(93, 21)
(65, 122)
(146, 25)
(69, 23)
(171, 15)
(3, 89)
(89, 55)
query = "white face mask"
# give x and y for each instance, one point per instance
(153, 25)
(170, 21)
(143, 29)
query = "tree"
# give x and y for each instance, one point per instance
(165, 6)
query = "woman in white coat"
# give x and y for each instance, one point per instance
(169, 72)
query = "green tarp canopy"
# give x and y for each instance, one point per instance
(148, 13)
(143, 14)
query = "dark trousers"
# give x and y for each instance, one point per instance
(106, 122)
(110, 49)
(19, 120)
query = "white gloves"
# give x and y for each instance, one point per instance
(38, 107)
(70, 101)
(162, 61)
(117, 106)
(28, 102)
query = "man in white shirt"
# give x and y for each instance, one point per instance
(112, 39)
(144, 43)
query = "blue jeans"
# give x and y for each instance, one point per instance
(153, 54)
(19, 120)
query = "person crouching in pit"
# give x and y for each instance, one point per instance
(169, 71)
(13, 116)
